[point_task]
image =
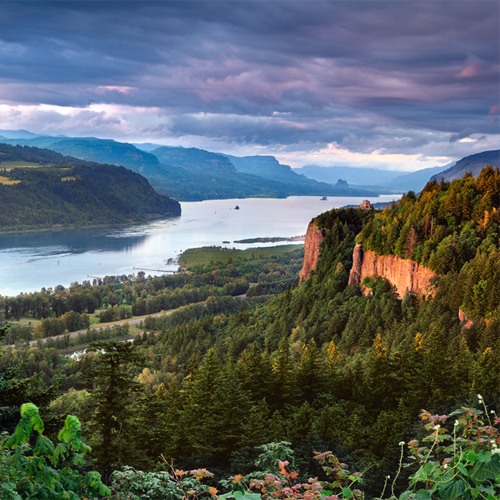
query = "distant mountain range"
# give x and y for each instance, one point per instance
(381, 181)
(474, 164)
(192, 174)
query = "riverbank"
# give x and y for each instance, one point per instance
(57, 227)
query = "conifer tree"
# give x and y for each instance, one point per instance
(113, 386)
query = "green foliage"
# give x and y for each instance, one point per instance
(131, 484)
(15, 389)
(112, 389)
(450, 228)
(41, 470)
(96, 194)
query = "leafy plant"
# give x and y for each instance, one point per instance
(462, 463)
(285, 485)
(40, 470)
(131, 484)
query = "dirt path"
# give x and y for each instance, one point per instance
(74, 335)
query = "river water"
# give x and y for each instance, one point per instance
(32, 260)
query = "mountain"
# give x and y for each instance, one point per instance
(357, 176)
(17, 134)
(381, 181)
(195, 160)
(473, 163)
(189, 174)
(146, 146)
(415, 181)
(60, 190)
(269, 168)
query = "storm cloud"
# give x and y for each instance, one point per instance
(394, 84)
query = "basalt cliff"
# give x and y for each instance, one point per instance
(403, 274)
(311, 251)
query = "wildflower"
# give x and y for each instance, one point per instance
(480, 398)
(437, 427)
(213, 490)
(492, 412)
(401, 443)
(237, 478)
(388, 477)
(445, 466)
(495, 451)
(456, 423)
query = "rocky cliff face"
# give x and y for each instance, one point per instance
(311, 251)
(403, 274)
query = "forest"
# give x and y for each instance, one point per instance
(294, 396)
(59, 190)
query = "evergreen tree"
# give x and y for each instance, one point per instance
(113, 386)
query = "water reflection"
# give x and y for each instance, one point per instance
(30, 261)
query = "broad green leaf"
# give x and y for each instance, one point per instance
(452, 490)
(347, 493)
(422, 495)
(463, 470)
(483, 471)
(471, 456)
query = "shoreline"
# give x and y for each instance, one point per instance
(65, 228)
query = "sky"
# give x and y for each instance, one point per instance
(400, 85)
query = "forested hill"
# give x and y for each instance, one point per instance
(473, 164)
(452, 228)
(40, 188)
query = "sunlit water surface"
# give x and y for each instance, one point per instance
(30, 261)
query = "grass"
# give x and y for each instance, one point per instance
(7, 181)
(204, 255)
(9, 165)
(25, 320)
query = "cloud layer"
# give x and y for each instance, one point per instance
(400, 85)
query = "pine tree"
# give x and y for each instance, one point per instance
(310, 374)
(113, 386)
(282, 387)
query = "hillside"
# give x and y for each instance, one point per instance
(40, 188)
(187, 174)
(473, 163)
(196, 161)
(269, 168)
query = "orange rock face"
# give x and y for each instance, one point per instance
(311, 251)
(403, 274)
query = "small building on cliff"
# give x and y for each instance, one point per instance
(366, 205)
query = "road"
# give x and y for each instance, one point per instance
(74, 335)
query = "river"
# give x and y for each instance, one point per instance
(32, 260)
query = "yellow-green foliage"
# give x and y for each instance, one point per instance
(206, 255)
